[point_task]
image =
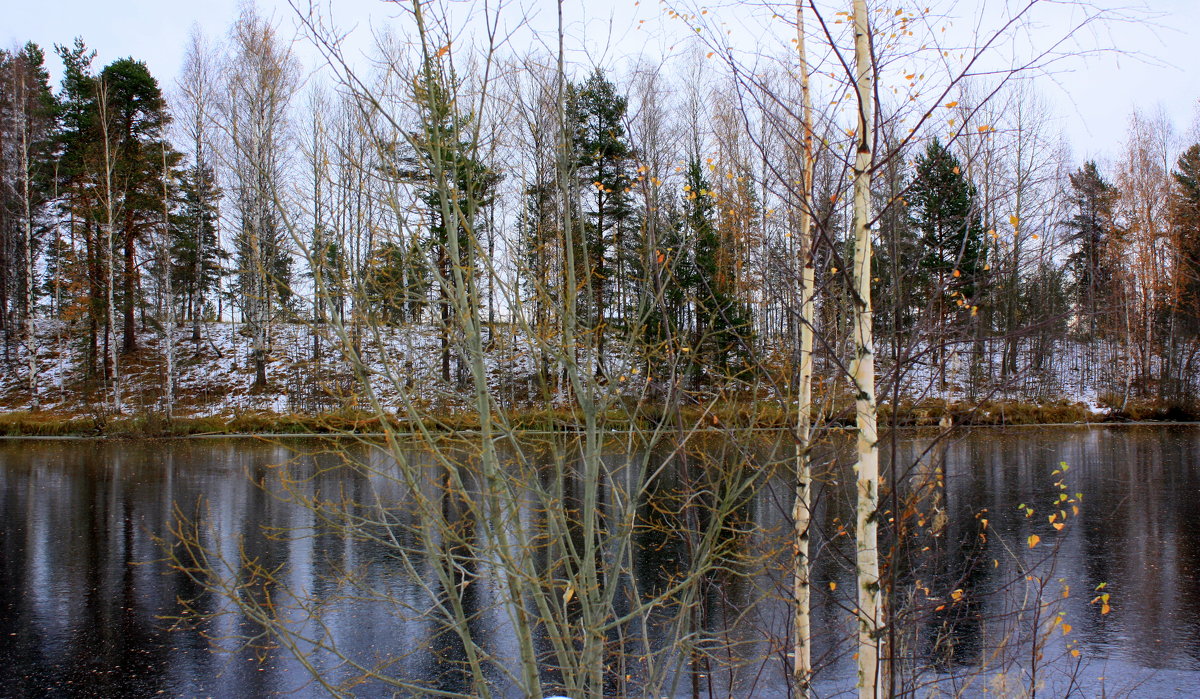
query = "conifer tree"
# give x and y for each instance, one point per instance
(946, 218)
(447, 162)
(1185, 215)
(197, 257)
(722, 329)
(603, 154)
(137, 115)
(1089, 229)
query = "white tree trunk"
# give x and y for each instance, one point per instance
(862, 370)
(109, 223)
(168, 323)
(801, 512)
(30, 339)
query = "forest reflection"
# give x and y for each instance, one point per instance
(89, 601)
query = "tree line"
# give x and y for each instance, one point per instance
(249, 193)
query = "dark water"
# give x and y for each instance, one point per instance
(86, 601)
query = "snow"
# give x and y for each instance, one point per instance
(216, 376)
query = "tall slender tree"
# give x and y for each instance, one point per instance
(1089, 230)
(597, 113)
(261, 77)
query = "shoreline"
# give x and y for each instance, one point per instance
(766, 417)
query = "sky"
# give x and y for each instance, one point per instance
(1150, 61)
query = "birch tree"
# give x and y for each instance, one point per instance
(862, 369)
(262, 75)
(801, 513)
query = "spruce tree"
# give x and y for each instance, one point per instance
(1185, 215)
(454, 185)
(722, 322)
(945, 217)
(194, 234)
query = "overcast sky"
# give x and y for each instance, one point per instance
(1157, 62)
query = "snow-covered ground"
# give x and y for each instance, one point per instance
(308, 373)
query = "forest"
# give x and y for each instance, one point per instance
(160, 242)
(617, 346)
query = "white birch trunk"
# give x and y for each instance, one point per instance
(801, 512)
(168, 322)
(30, 340)
(109, 224)
(862, 370)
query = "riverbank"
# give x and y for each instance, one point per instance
(732, 415)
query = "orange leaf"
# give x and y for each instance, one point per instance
(1033, 540)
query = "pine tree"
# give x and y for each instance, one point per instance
(597, 115)
(137, 117)
(1089, 229)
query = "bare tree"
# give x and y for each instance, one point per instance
(261, 76)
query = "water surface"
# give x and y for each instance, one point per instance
(86, 600)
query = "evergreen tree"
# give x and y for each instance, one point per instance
(945, 217)
(597, 116)
(1185, 215)
(1089, 229)
(78, 264)
(722, 322)
(28, 130)
(194, 233)
(134, 107)
(385, 284)
(455, 186)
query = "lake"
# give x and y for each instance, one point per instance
(90, 607)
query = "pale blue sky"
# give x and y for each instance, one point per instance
(1160, 64)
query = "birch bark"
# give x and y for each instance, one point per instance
(862, 371)
(801, 513)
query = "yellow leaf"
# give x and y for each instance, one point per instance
(832, 586)
(1066, 629)
(443, 51)
(957, 273)
(1075, 653)
(568, 594)
(951, 105)
(1033, 540)
(1058, 526)
(956, 595)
